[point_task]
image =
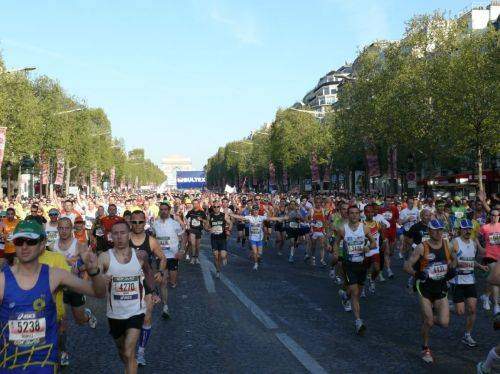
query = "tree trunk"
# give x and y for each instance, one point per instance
(480, 169)
(68, 175)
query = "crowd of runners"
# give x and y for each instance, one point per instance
(126, 248)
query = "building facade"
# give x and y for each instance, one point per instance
(173, 163)
(324, 95)
(479, 15)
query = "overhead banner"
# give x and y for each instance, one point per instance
(272, 174)
(372, 162)
(314, 168)
(392, 161)
(44, 168)
(3, 133)
(112, 173)
(60, 167)
(190, 180)
(93, 178)
(285, 177)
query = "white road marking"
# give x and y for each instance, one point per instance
(207, 276)
(300, 354)
(297, 351)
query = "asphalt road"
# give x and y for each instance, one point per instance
(284, 318)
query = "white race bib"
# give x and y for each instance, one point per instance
(125, 288)
(217, 230)
(164, 242)
(294, 225)
(437, 270)
(26, 329)
(494, 238)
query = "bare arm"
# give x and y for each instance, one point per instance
(494, 277)
(156, 249)
(237, 216)
(415, 256)
(96, 287)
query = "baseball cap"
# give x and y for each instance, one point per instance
(79, 220)
(466, 224)
(435, 224)
(53, 211)
(28, 229)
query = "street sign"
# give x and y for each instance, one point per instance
(411, 179)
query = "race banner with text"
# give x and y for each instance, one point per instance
(3, 135)
(190, 180)
(285, 177)
(44, 168)
(372, 163)
(60, 167)
(392, 158)
(112, 173)
(93, 178)
(327, 177)
(314, 168)
(272, 174)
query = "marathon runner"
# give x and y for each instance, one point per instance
(28, 313)
(140, 240)
(219, 225)
(169, 233)
(354, 235)
(256, 230)
(195, 218)
(490, 232)
(435, 268)
(127, 271)
(463, 289)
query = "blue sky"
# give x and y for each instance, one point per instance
(185, 77)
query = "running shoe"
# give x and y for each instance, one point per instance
(141, 359)
(290, 259)
(255, 266)
(381, 277)
(360, 327)
(468, 341)
(371, 286)
(92, 318)
(486, 302)
(427, 356)
(165, 312)
(217, 274)
(64, 359)
(332, 273)
(306, 257)
(390, 274)
(323, 262)
(496, 309)
(481, 369)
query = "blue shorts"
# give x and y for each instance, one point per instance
(256, 243)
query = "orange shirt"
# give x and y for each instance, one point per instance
(7, 229)
(81, 236)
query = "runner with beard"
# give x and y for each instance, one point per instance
(140, 240)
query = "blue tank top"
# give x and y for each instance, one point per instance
(28, 326)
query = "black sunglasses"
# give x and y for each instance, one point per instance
(53, 214)
(18, 242)
(137, 222)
